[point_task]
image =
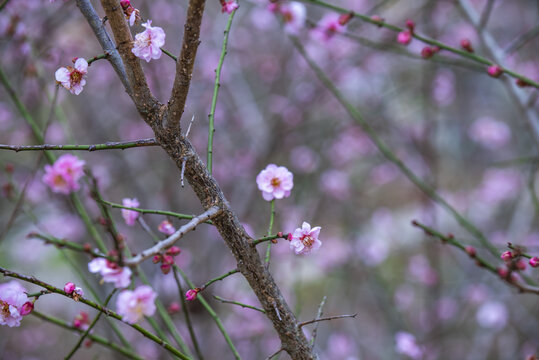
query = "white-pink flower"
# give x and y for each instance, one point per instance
(130, 216)
(229, 6)
(275, 182)
(148, 43)
(111, 272)
(64, 175)
(328, 26)
(72, 78)
(294, 17)
(304, 239)
(14, 303)
(133, 305)
(166, 228)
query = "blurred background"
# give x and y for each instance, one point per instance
(460, 130)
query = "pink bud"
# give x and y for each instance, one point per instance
(280, 234)
(521, 265)
(470, 250)
(168, 260)
(173, 308)
(378, 19)
(507, 256)
(156, 259)
(345, 18)
(404, 37)
(534, 261)
(173, 251)
(69, 287)
(191, 294)
(410, 25)
(522, 83)
(27, 308)
(503, 272)
(427, 52)
(125, 4)
(165, 268)
(466, 45)
(495, 71)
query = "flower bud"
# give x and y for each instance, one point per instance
(494, 71)
(534, 261)
(69, 287)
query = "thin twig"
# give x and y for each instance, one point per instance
(318, 316)
(211, 116)
(94, 147)
(270, 229)
(189, 127)
(168, 242)
(486, 14)
(246, 306)
(275, 354)
(219, 278)
(302, 324)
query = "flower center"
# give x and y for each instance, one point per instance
(275, 182)
(59, 180)
(288, 17)
(307, 240)
(4, 309)
(76, 76)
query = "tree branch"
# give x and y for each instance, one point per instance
(94, 147)
(184, 67)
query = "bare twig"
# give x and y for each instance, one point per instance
(246, 306)
(168, 242)
(318, 316)
(302, 324)
(94, 147)
(189, 127)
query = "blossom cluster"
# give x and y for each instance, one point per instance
(111, 272)
(14, 303)
(64, 175)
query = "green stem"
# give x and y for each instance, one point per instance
(71, 245)
(219, 278)
(270, 228)
(94, 147)
(95, 338)
(95, 58)
(211, 128)
(212, 313)
(169, 54)
(268, 238)
(426, 40)
(390, 155)
(98, 307)
(85, 334)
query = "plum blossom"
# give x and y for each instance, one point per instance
(130, 12)
(148, 43)
(133, 305)
(275, 182)
(72, 78)
(63, 176)
(406, 344)
(166, 228)
(294, 17)
(111, 272)
(492, 315)
(229, 6)
(304, 239)
(191, 294)
(490, 133)
(82, 321)
(14, 304)
(130, 216)
(328, 26)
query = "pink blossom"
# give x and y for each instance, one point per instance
(229, 6)
(174, 307)
(328, 26)
(507, 256)
(404, 37)
(72, 78)
(148, 43)
(294, 17)
(14, 303)
(69, 287)
(130, 216)
(490, 133)
(304, 239)
(534, 261)
(82, 321)
(111, 272)
(275, 182)
(63, 176)
(191, 294)
(406, 344)
(166, 228)
(133, 305)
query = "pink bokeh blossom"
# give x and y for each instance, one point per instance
(134, 305)
(14, 303)
(294, 15)
(148, 43)
(328, 27)
(72, 78)
(490, 133)
(130, 216)
(304, 239)
(406, 344)
(63, 176)
(111, 272)
(166, 227)
(275, 182)
(404, 37)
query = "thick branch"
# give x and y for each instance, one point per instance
(184, 67)
(141, 95)
(94, 147)
(168, 242)
(105, 41)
